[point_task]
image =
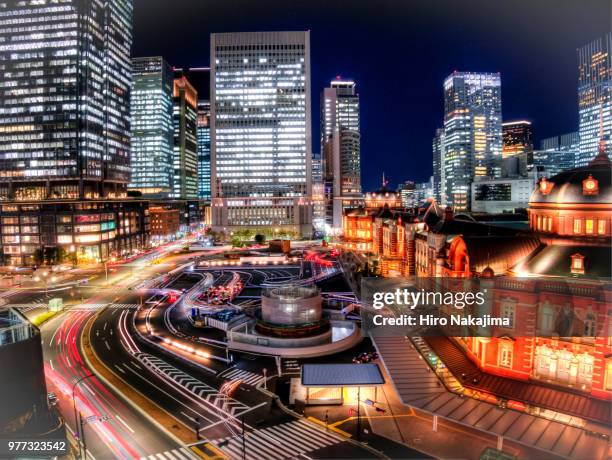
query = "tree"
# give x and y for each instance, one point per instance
(236, 242)
(38, 256)
(260, 239)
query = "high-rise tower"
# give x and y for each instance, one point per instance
(594, 97)
(472, 133)
(152, 128)
(261, 143)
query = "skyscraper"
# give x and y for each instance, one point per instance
(64, 114)
(65, 75)
(261, 143)
(341, 145)
(557, 153)
(152, 127)
(518, 145)
(472, 133)
(438, 162)
(185, 151)
(594, 97)
(204, 150)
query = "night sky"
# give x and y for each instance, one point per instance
(399, 52)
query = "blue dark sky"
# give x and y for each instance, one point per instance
(399, 52)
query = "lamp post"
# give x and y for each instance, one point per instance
(77, 419)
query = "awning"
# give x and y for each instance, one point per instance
(341, 375)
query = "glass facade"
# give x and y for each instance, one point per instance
(185, 150)
(438, 161)
(472, 133)
(65, 79)
(557, 153)
(341, 146)
(204, 150)
(261, 134)
(594, 97)
(152, 128)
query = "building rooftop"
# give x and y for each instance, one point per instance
(321, 375)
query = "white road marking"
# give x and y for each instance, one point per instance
(122, 421)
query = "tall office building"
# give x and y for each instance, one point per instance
(65, 78)
(472, 133)
(341, 147)
(517, 148)
(594, 97)
(261, 143)
(204, 150)
(557, 153)
(318, 194)
(438, 162)
(185, 150)
(152, 127)
(406, 191)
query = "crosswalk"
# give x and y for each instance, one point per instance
(98, 306)
(278, 442)
(175, 454)
(25, 307)
(247, 377)
(194, 386)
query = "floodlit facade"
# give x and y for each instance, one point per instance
(204, 150)
(152, 128)
(261, 143)
(594, 97)
(472, 133)
(341, 148)
(185, 156)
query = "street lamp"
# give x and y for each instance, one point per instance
(45, 274)
(77, 423)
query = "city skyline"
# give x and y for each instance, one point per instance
(493, 44)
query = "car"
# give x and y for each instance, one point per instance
(52, 398)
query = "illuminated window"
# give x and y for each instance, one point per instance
(589, 226)
(609, 374)
(577, 266)
(577, 225)
(601, 227)
(505, 354)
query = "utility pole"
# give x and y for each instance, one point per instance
(243, 441)
(84, 454)
(358, 413)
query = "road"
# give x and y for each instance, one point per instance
(112, 428)
(189, 386)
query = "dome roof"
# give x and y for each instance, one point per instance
(586, 185)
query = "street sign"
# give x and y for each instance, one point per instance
(91, 418)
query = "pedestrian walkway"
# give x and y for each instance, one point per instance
(418, 386)
(175, 454)
(247, 377)
(565, 401)
(278, 442)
